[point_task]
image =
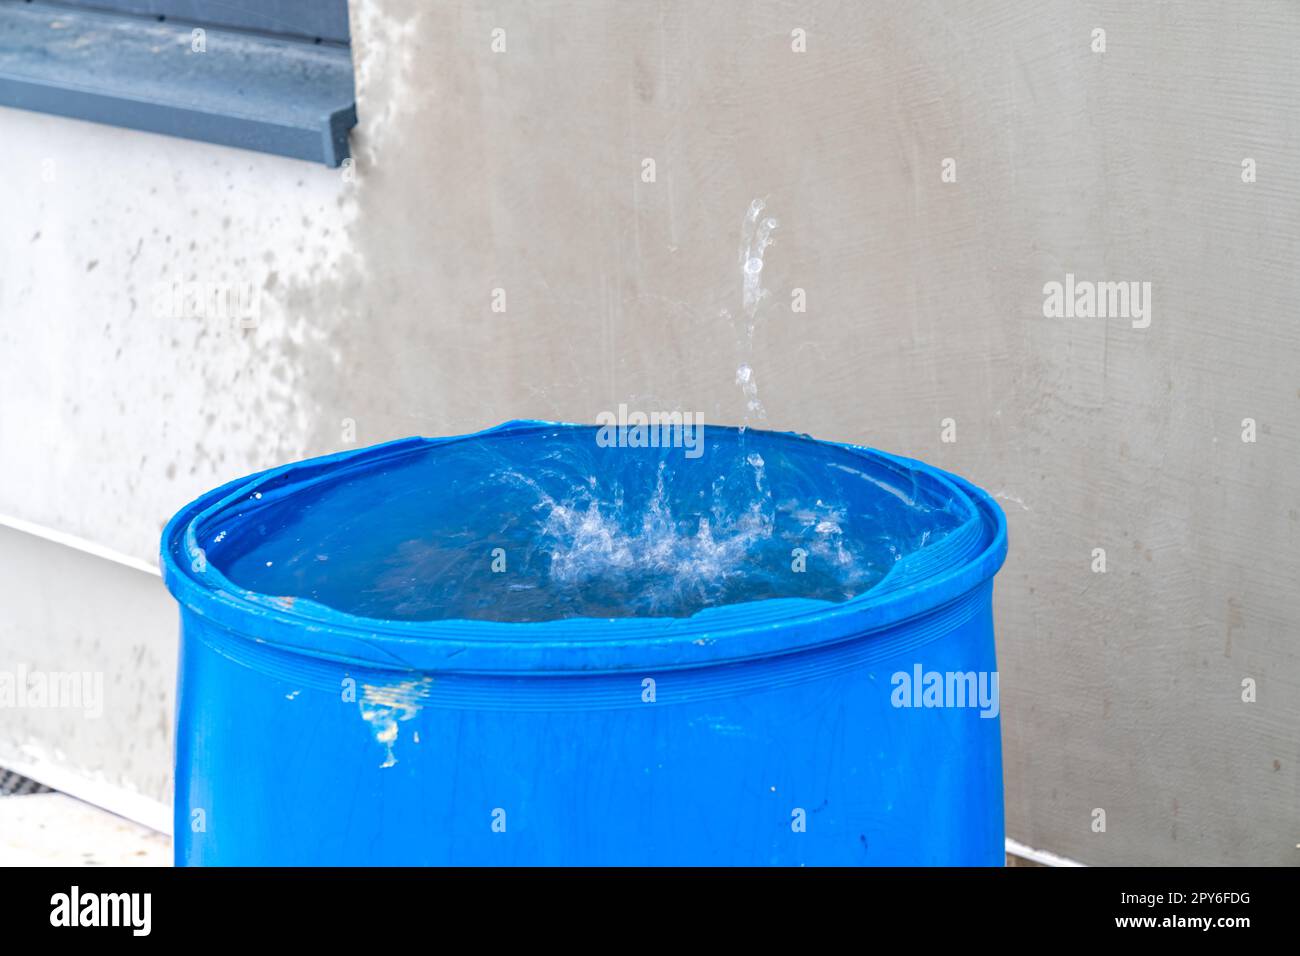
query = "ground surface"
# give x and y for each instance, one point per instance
(45, 828)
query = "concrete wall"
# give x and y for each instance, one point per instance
(522, 171)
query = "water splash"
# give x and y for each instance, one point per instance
(730, 543)
(682, 558)
(688, 559)
(581, 531)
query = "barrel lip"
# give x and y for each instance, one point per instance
(728, 634)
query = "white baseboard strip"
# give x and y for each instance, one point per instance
(80, 544)
(136, 807)
(1041, 857)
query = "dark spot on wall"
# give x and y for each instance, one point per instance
(1234, 621)
(643, 81)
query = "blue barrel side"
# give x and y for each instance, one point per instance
(294, 761)
(775, 735)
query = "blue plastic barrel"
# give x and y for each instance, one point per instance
(390, 656)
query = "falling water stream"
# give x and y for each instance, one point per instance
(549, 524)
(755, 237)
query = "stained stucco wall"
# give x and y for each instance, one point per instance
(522, 170)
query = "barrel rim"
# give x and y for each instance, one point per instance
(719, 635)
